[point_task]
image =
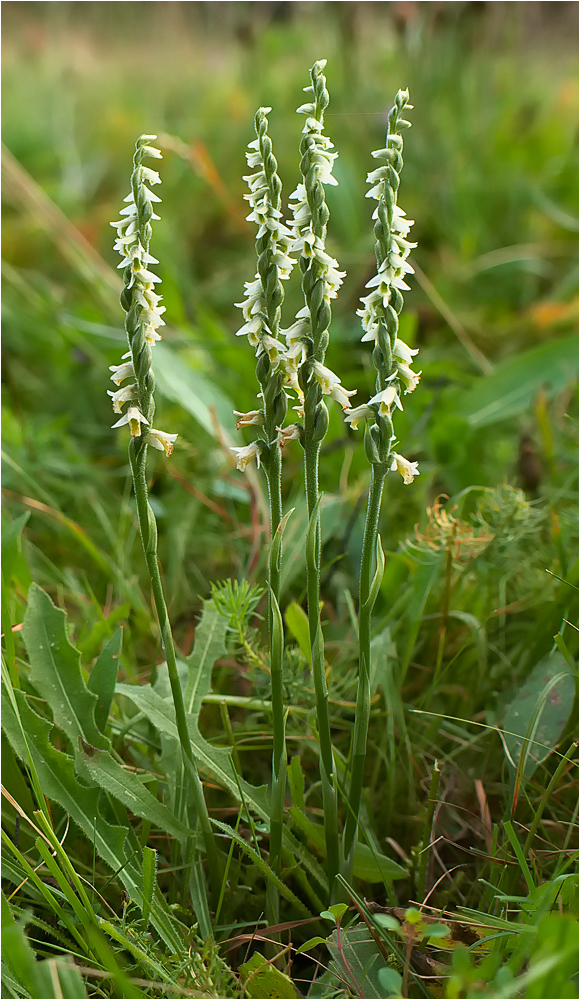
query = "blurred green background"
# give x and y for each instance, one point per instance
(490, 178)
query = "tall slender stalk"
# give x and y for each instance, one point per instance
(141, 305)
(392, 359)
(299, 366)
(320, 283)
(262, 310)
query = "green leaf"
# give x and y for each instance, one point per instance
(20, 959)
(217, 761)
(55, 670)
(556, 943)
(209, 646)
(517, 847)
(513, 385)
(425, 578)
(297, 622)
(311, 943)
(378, 576)
(103, 678)
(436, 931)
(312, 535)
(359, 961)
(276, 546)
(370, 866)
(335, 912)
(389, 923)
(149, 876)
(59, 783)
(538, 714)
(125, 786)
(479, 634)
(262, 980)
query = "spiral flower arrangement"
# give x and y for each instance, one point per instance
(140, 302)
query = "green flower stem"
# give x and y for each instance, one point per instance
(327, 771)
(380, 320)
(143, 314)
(315, 167)
(274, 413)
(279, 759)
(148, 528)
(363, 695)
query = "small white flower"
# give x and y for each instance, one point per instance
(356, 414)
(326, 379)
(246, 455)
(121, 371)
(251, 330)
(294, 356)
(407, 469)
(151, 335)
(341, 395)
(405, 353)
(150, 176)
(290, 433)
(306, 109)
(134, 418)
(144, 276)
(293, 383)
(409, 377)
(300, 328)
(124, 395)
(151, 151)
(273, 348)
(247, 419)
(161, 441)
(386, 398)
(330, 384)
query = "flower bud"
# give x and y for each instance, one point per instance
(280, 408)
(126, 298)
(371, 445)
(263, 368)
(320, 422)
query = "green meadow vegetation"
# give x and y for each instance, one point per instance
(307, 729)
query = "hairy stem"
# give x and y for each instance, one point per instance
(327, 776)
(148, 528)
(279, 763)
(363, 695)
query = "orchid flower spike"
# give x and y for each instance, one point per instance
(140, 301)
(379, 314)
